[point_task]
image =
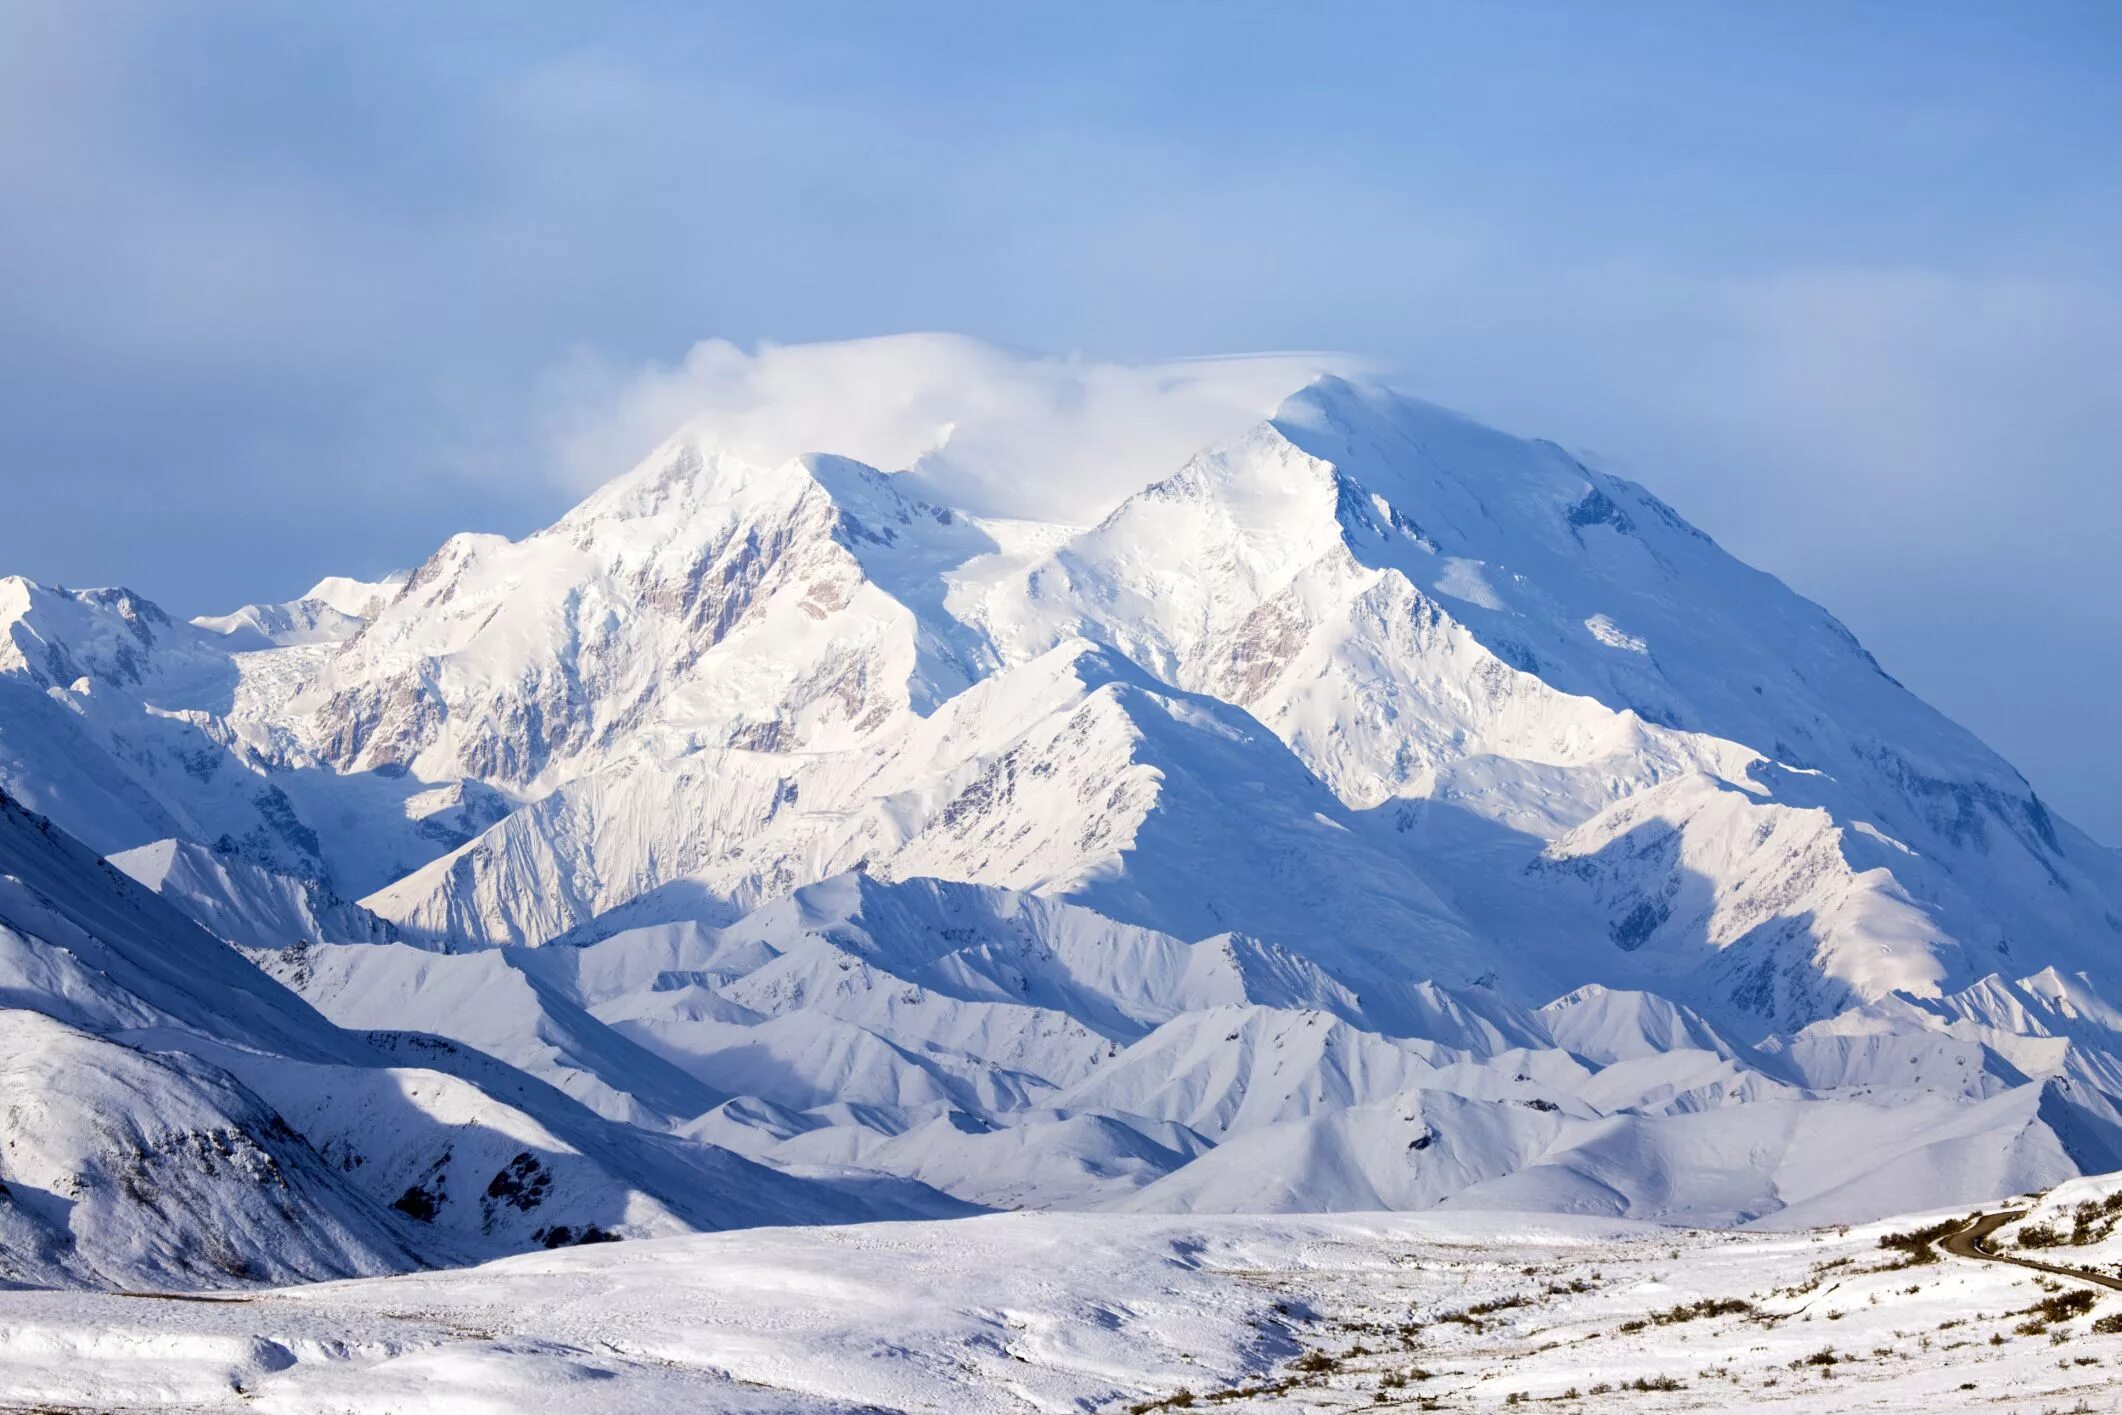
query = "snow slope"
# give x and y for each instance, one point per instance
(247, 906)
(334, 610)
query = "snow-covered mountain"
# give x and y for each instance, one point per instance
(1373, 809)
(129, 728)
(177, 1118)
(334, 610)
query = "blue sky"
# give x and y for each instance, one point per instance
(291, 290)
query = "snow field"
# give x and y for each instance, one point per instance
(1030, 1312)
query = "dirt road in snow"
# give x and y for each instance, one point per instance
(1967, 1243)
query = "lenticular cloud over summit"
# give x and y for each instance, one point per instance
(995, 431)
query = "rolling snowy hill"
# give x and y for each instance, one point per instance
(178, 1119)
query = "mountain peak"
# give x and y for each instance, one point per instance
(1265, 790)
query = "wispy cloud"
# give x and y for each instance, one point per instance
(995, 431)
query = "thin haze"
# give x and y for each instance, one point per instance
(289, 290)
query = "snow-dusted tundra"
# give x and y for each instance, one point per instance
(1059, 1312)
(936, 796)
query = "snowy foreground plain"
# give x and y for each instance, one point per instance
(1065, 1312)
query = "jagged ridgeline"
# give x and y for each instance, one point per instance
(1373, 810)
